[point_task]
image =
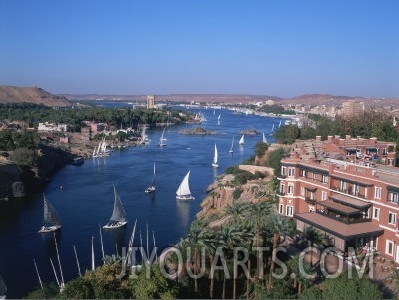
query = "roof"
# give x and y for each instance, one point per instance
(342, 230)
(336, 206)
(359, 204)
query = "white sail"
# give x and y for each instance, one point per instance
(264, 140)
(183, 191)
(273, 128)
(219, 120)
(232, 144)
(241, 142)
(118, 217)
(215, 158)
(51, 221)
(162, 140)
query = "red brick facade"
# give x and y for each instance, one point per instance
(350, 181)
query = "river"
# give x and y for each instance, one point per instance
(86, 199)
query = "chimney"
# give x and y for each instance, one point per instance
(348, 137)
(318, 138)
(329, 138)
(373, 140)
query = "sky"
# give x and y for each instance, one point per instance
(279, 48)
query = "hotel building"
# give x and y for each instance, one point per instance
(346, 188)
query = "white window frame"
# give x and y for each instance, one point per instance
(323, 195)
(387, 243)
(302, 191)
(303, 173)
(291, 172)
(377, 192)
(376, 213)
(290, 189)
(288, 209)
(324, 178)
(390, 220)
(394, 197)
(282, 188)
(283, 171)
(281, 209)
(314, 176)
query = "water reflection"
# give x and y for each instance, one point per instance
(183, 210)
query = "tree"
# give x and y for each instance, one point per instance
(155, 286)
(350, 287)
(279, 226)
(314, 238)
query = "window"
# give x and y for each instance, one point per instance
(324, 179)
(314, 176)
(389, 247)
(289, 211)
(283, 171)
(393, 197)
(281, 209)
(377, 192)
(376, 213)
(303, 173)
(392, 218)
(302, 191)
(323, 195)
(355, 189)
(282, 188)
(291, 172)
(290, 189)
(342, 186)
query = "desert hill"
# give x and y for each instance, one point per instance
(13, 94)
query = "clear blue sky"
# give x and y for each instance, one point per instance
(281, 48)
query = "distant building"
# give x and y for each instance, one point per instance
(96, 127)
(65, 139)
(150, 101)
(352, 109)
(51, 127)
(269, 102)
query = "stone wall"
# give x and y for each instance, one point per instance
(253, 169)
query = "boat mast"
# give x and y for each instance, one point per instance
(55, 273)
(77, 260)
(148, 251)
(93, 265)
(155, 247)
(40, 280)
(59, 263)
(101, 239)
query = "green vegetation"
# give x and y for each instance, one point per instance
(32, 114)
(260, 149)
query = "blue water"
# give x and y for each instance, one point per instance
(87, 199)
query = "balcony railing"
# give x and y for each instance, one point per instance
(310, 201)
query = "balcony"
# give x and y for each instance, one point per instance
(310, 201)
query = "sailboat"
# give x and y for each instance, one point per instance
(264, 140)
(118, 218)
(183, 191)
(219, 120)
(3, 289)
(241, 142)
(51, 221)
(231, 148)
(215, 158)
(162, 140)
(151, 188)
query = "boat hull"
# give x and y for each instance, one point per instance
(46, 229)
(185, 197)
(115, 225)
(215, 165)
(150, 189)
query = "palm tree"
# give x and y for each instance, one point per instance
(236, 212)
(196, 240)
(257, 219)
(230, 236)
(279, 225)
(314, 238)
(299, 277)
